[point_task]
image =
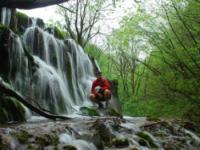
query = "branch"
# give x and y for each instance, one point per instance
(71, 11)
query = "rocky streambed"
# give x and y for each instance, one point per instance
(101, 133)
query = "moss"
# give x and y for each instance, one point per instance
(120, 142)
(11, 110)
(2, 27)
(47, 139)
(152, 118)
(22, 136)
(30, 147)
(89, 111)
(146, 140)
(22, 22)
(58, 33)
(113, 112)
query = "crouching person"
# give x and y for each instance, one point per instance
(101, 90)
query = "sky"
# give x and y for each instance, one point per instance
(107, 26)
(49, 13)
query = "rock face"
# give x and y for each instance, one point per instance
(29, 4)
(54, 74)
(107, 133)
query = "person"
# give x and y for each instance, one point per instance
(101, 90)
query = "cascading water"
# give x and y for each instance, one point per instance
(5, 16)
(60, 73)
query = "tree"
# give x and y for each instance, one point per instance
(127, 44)
(81, 18)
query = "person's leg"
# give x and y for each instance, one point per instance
(96, 99)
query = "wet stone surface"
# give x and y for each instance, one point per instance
(90, 133)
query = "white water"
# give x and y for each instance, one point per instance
(61, 75)
(5, 16)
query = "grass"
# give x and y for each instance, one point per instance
(156, 108)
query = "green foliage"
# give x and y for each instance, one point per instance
(89, 111)
(168, 77)
(2, 27)
(157, 108)
(59, 31)
(21, 16)
(22, 22)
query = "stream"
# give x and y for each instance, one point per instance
(99, 133)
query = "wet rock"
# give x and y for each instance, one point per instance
(23, 21)
(47, 139)
(11, 110)
(4, 55)
(120, 142)
(22, 136)
(40, 23)
(104, 132)
(113, 112)
(147, 140)
(69, 147)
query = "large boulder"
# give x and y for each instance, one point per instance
(11, 110)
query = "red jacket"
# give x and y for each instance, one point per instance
(102, 82)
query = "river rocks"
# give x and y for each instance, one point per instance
(147, 140)
(92, 133)
(120, 142)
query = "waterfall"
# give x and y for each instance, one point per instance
(59, 76)
(5, 16)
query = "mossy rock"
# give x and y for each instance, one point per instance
(47, 139)
(120, 142)
(146, 140)
(23, 21)
(32, 147)
(40, 23)
(4, 55)
(152, 118)
(22, 136)
(11, 110)
(113, 112)
(89, 111)
(2, 27)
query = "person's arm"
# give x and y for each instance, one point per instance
(106, 85)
